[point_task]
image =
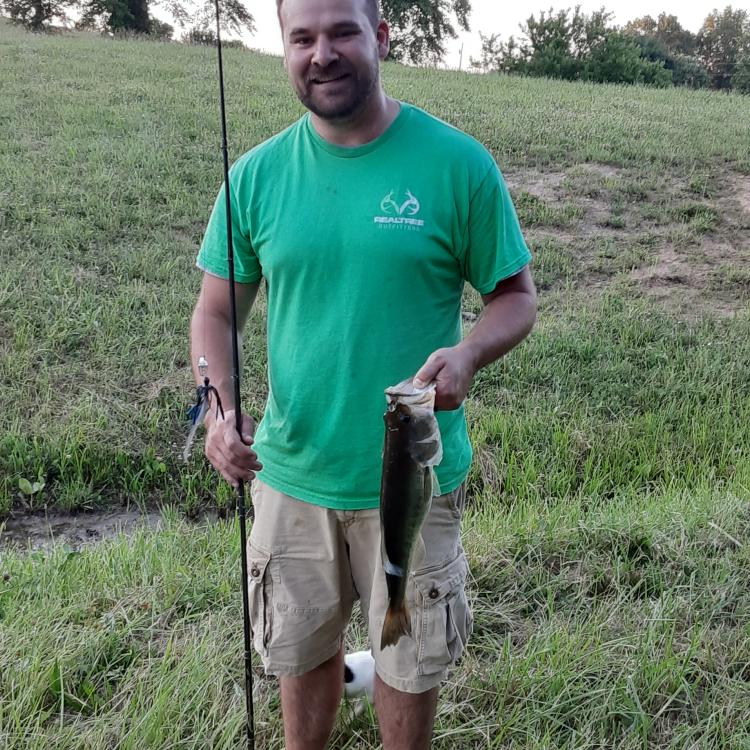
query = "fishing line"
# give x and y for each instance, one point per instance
(237, 405)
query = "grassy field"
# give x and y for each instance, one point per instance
(608, 529)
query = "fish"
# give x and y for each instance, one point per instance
(412, 448)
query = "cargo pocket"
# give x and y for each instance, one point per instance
(445, 620)
(260, 587)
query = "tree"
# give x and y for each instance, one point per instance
(133, 15)
(685, 70)
(676, 39)
(588, 47)
(491, 54)
(498, 56)
(643, 26)
(161, 30)
(116, 16)
(666, 30)
(550, 50)
(235, 17)
(420, 28)
(741, 77)
(35, 14)
(723, 40)
(573, 45)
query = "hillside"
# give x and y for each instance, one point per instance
(608, 529)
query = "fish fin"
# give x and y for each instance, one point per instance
(397, 623)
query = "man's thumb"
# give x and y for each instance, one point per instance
(248, 428)
(426, 373)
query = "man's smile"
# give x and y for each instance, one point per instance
(329, 79)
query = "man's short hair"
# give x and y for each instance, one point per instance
(372, 8)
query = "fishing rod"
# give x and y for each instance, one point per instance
(237, 405)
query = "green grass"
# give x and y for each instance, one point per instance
(608, 527)
(620, 625)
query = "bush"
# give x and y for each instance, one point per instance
(207, 37)
(618, 60)
(741, 77)
(160, 30)
(688, 71)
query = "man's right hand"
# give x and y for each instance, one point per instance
(231, 456)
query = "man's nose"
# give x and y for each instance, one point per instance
(324, 53)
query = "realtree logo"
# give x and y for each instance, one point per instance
(395, 211)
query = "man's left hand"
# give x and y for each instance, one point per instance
(452, 369)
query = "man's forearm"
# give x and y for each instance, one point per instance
(505, 321)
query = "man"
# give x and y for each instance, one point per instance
(365, 218)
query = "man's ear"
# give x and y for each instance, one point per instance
(383, 35)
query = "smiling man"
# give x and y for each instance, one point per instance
(365, 218)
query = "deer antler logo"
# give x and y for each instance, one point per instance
(389, 206)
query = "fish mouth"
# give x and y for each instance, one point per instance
(406, 393)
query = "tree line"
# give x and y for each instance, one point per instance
(575, 46)
(419, 28)
(567, 44)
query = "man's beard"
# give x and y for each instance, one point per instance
(361, 84)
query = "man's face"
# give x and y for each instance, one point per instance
(332, 55)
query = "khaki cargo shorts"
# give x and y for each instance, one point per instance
(308, 565)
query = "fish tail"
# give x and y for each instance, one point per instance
(397, 623)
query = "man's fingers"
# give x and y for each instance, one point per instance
(433, 368)
(234, 481)
(233, 472)
(234, 446)
(230, 456)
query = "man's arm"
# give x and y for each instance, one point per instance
(211, 337)
(507, 318)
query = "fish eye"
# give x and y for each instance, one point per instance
(404, 417)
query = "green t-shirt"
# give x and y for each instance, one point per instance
(365, 251)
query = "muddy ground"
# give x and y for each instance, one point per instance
(44, 528)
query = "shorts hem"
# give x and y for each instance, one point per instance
(288, 670)
(421, 684)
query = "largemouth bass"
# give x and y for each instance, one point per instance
(412, 448)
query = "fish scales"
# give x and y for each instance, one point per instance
(411, 449)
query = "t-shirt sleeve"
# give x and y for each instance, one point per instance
(212, 256)
(494, 248)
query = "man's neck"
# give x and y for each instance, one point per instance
(363, 127)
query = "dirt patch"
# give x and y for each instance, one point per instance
(41, 530)
(544, 185)
(741, 188)
(689, 253)
(669, 268)
(692, 284)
